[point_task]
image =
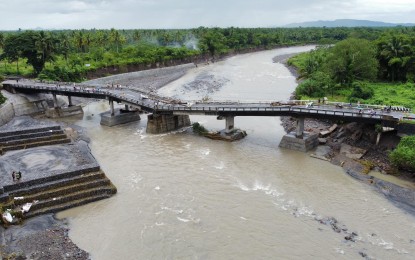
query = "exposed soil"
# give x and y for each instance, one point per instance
(42, 237)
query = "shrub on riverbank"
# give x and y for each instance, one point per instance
(404, 155)
(2, 99)
(199, 129)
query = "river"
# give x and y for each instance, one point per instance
(181, 196)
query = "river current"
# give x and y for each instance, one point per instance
(181, 196)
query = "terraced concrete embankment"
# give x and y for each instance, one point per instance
(59, 190)
(47, 191)
(32, 137)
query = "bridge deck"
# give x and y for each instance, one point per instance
(157, 104)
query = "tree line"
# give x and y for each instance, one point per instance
(68, 54)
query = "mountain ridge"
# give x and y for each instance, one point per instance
(346, 23)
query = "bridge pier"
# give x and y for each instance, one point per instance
(158, 123)
(55, 101)
(229, 125)
(230, 133)
(57, 111)
(299, 131)
(112, 107)
(299, 140)
(70, 101)
(119, 116)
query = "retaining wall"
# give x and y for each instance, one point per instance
(137, 74)
(6, 113)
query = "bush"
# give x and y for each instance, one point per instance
(311, 88)
(58, 73)
(2, 99)
(361, 92)
(199, 129)
(404, 155)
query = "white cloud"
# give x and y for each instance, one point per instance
(193, 13)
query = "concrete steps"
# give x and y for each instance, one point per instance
(30, 135)
(67, 182)
(50, 191)
(65, 206)
(33, 137)
(33, 140)
(63, 191)
(34, 144)
(58, 192)
(29, 130)
(70, 198)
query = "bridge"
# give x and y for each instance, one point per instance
(172, 113)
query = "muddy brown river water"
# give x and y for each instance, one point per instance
(181, 196)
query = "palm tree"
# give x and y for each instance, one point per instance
(64, 46)
(116, 38)
(395, 53)
(45, 45)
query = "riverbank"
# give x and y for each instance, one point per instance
(42, 237)
(372, 166)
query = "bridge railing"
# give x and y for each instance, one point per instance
(69, 89)
(161, 103)
(293, 110)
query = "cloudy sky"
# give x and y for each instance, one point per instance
(130, 14)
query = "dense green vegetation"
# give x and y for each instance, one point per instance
(404, 155)
(70, 55)
(380, 71)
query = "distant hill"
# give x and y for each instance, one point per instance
(347, 23)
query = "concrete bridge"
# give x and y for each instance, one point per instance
(168, 114)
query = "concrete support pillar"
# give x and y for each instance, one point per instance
(378, 138)
(299, 131)
(230, 122)
(70, 101)
(157, 124)
(112, 107)
(55, 101)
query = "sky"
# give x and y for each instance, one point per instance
(151, 14)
